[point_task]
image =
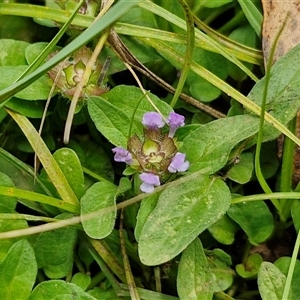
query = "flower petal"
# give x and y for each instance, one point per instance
(150, 178)
(175, 121)
(147, 188)
(122, 155)
(153, 120)
(178, 163)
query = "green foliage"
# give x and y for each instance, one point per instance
(224, 230)
(18, 271)
(58, 288)
(251, 266)
(54, 250)
(254, 218)
(194, 198)
(188, 236)
(242, 170)
(100, 195)
(270, 281)
(283, 264)
(12, 52)
(39, 90)
(70, 165)
(210, 153)
(194, 275)
(111, 121)
(282, 99)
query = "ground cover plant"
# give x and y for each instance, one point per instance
(139, 154)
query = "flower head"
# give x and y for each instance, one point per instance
(153, 120)
(149, 181)
(175, 121)
(122, 155)
(69, 73)
(178, 163)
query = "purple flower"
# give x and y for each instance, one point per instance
(178, 163)
(153, 120)
(149, 181)
(175, 121)
(122, 155)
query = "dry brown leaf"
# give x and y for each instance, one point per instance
(279, 13)
(276, 12)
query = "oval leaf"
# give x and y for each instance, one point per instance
(111, 121)
(131, 98)
(18, 272)
(55, 250)
(7, 204)
(58, 289)
(283, 98)
(242, 171)
(270, 282)
(254, 218)
(100, 195)
(70, 165)
(224, 230)
(183, 211)
(144, 212)
(194, 279)
(12, 53)
(38, 90)
(207, 148)
(283, 264)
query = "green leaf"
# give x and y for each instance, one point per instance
(58, 289)
(270, 282)
(283, 264)
(245, 35)
(208, 147)
(18, 272)
(253, 15)
(100, 195)
(20, 173)
(54, 250)
(34, 50)
(283, 98)
(183, 211)
(39, 90)
(199, 87)
(254, 218)
(7, 204)
(269, 159)
(224, 230)
(12, 53)
(250, 268)
(295, 210)
(93, 157)
(214, 3)
(70, 165)
(124, 185)
(30, 109)
(242, 171)
(127, 99)
(8, 225)
(146, 208)
(111, 121)
(219, 262)
(81, 280)
(194, 280)
(103, 294)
